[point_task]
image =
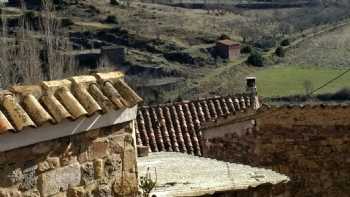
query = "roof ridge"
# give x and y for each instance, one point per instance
(23, 106)
(188, 101)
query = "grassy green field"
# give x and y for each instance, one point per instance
(284, 81)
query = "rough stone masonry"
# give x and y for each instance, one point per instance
(310, 144)
(97, 163)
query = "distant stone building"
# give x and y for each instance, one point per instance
(113, 55)
(71, 137)
(228, 49)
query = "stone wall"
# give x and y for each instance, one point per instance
(311, 145)
(98, 163)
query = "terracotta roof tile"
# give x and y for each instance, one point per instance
(171, 129)
(149, 129)
(5, 125)
(157, 131)
(164, 130)
(178, 129)
(177, 126)
(184, 128)
(36, 110)
(142, 130)
(54, 101)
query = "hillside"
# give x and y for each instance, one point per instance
(331, 49)
(169, 50)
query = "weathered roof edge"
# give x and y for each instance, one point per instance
(268, 107)
(50, 102)
(187, 101)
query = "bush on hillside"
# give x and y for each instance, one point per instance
(256, 59)
(30, 15)
(265, 44)
(65, 22)
(224, 37)
(280, 52)
(246, 49)
(285, 42)
(115, 2)
(111, 19)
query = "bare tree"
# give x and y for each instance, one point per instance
(28, 56)
(308, 87)
(28, 49)
(56, 46)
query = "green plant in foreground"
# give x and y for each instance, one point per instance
(147, 183)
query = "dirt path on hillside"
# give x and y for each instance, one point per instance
(327, 29)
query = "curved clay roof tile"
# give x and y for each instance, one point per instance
(164, 129)
(70, 103)
(157, 131)
(149, 127)
(206, 110)
(36, 111)
(86, 100)
(5, 125)
(212, 109)
(100, 98)
(128, 93)
(177, 127)
(231, 105)
(17, 114)
(171, 129)
(237, 105)
(185, 131)
(224, 106)
(242, 103)
(55, 108)
(218, 108)
(114, 95)
(142, 129)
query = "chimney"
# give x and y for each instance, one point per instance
(252, 91)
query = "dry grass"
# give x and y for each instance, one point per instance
(94, 25)
(327, 50)
(185, 25)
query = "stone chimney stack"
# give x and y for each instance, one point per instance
(252, 90)
(251, 85)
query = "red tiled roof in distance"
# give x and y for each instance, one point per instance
(229, 43)
(178, 124)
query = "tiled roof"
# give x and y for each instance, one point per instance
(228, 42)
(54, 101)
(175, 127)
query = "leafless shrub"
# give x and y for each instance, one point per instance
(308, 87)
(29, 56)
(56, 44)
